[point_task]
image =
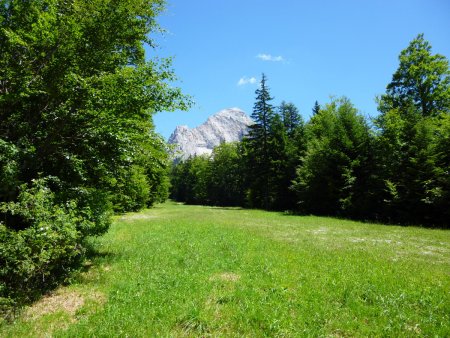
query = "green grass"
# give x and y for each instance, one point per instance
(196, 271)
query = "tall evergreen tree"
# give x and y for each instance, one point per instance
(279, 145)
(316, 108)
(263, 114)
(257, 147)
(290, 116)
(287, 148)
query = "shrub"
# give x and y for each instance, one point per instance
(41, 242)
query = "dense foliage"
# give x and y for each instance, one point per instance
(215, 180)
(76, 135)
(395, 168)
(335, 176)
(414, 137)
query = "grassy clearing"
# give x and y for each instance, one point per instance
(195, 271)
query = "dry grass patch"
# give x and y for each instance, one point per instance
(55, 312)
(62, 300)
(225, 276)
(59, 300)
(136, 217)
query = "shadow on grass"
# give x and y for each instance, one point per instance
(93, 253)
(94, 258)
(375, 220)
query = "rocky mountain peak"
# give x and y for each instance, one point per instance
(228, 125)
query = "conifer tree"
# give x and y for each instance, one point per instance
(316, 108)
(287, 148)
(335, 175)
(263, 114)
(290, 116)
(257, 145)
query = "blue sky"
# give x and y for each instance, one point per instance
(309, 50)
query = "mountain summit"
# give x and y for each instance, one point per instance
(228, 125)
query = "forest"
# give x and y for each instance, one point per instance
(392, 168)
(78, 144)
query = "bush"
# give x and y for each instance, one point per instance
(41, 242)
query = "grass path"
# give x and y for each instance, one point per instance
(196, 271)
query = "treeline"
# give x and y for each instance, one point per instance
(77, 141)
(394, 168)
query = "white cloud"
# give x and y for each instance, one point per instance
(246, 80)
(268, 57)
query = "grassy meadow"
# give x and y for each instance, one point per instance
(193, 271)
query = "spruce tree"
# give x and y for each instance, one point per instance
(290, 116)
(287, 149)
(316, 108)
(263, 114)
(257, 145)
(335, 174)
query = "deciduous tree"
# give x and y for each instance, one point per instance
(422, 80)
(412, 131)
(77, 96)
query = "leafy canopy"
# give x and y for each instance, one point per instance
(422, 80)
(77, 95)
